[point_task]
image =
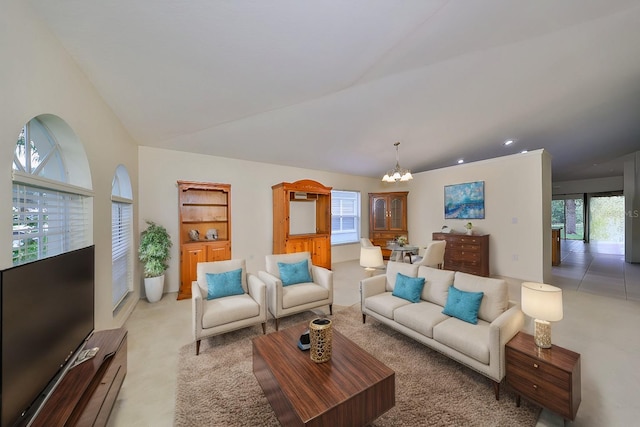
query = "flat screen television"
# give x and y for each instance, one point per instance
(47, 316)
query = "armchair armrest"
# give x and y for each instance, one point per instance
(274, 291)
(323, 277)
(372, 286)
(257, 289)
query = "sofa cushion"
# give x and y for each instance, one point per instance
(295, 272)
(496, 294)
(221, 311)
(393, 268)
(220, 285)
(408, 288)
(302, 293)
(437, 282)
(421, 317)
(468, 339)
(463, 305)
(384, 304)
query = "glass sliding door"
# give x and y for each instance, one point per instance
(607, 218)
(568, 213)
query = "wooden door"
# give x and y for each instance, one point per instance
(321, 251)
(298, 245)
(397, 214)
(379, 213)
(218, 252)
(190, 256)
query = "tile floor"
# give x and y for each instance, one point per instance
(601, 313)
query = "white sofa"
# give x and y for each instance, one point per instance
(480, 346)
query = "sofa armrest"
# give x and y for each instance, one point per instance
(501, 330)
(372, 286)
(507, 325)
(196, 304)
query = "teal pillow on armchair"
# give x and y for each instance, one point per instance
(293, 273)
(220, 285)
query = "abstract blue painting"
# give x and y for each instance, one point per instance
(464, 201)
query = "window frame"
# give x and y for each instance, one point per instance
(341, 235)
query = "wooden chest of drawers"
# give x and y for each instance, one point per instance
(469, 254)
(549, 377)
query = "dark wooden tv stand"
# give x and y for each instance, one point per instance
(87, 392)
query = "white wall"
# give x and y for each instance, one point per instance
(517, 211)
(517, 191)
(37, 76)
(251, 200)
(599, 185)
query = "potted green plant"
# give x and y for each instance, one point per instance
(469, 228)
(153, 251)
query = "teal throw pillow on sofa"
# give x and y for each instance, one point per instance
(408, 288)
(463, 305)
(220, 285)
(297, 272)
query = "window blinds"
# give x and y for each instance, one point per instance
(121, 257)
(47, 222)
(345, 217)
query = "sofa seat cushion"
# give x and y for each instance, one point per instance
(221, 311)
(302, 293)
(468, 339)
(385, 304)
(421, 317)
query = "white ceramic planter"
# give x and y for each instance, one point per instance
(153, 287)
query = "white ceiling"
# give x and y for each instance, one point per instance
(331, 85)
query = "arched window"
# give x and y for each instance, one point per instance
(121, 235)
(51, 212)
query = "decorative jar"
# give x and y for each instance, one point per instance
(321, 335)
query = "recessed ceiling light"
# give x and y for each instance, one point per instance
(524, 151)
(460, 161)
(508, 142)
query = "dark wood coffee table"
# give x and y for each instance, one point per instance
(352, 389)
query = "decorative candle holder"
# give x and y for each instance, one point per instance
(321, 335)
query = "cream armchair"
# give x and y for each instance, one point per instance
(432, 255)
(295, 298)
(224, 314)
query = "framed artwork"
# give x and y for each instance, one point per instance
(464, 201)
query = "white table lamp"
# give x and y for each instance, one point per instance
(371, 259)
(544, 304)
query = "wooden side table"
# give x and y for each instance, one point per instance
(549, 377)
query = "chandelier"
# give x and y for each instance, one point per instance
(397, 174)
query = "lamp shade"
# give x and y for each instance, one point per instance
(371, 257)
(542, 301)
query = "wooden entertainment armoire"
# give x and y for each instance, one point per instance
(317, 241)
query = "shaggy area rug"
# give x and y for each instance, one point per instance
(218, 388)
